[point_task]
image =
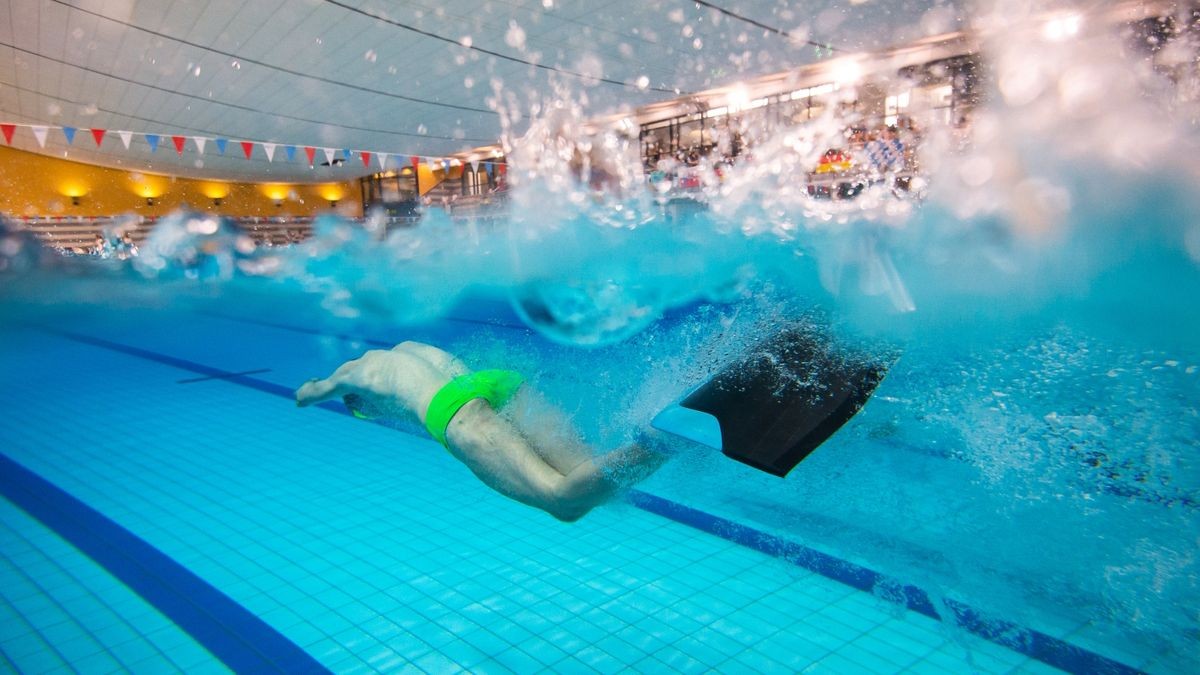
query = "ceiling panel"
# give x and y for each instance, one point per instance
(6, 28)
(314, 72)
(25, 23)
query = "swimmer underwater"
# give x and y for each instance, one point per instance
(505, 433)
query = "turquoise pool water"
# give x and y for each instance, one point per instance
(988, 511)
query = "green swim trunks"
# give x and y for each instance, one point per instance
(495, 386)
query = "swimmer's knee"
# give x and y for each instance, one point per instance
(567, 502)
(568, 514)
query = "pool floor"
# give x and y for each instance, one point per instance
(364, 548)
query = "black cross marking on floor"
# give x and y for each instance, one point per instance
(222, 376)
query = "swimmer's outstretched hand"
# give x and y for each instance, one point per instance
(399, 382)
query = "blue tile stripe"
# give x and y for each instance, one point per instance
(240, 639)
(1031, 643)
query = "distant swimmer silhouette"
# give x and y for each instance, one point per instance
(504, 432)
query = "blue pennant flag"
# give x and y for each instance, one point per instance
(446, 165)
(152, 139)
(291, 152)
(69, 132)
(221, 142)
(491, 169)
(346, 154)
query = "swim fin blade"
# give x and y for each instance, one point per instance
(773, 406)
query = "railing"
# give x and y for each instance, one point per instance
(82, 232)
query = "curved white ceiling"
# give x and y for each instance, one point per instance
(407, 78)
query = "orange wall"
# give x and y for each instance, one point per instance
(430, 176)
(39, 185)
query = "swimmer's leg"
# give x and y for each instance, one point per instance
(594, 482)
(549, 430)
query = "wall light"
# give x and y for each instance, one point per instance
(215, 191)
(276, 192)
(75, 190)
(149, 186)
(332, 193)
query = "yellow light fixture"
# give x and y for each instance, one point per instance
(215, 191)
(149, 186)
(276, 192)
(332, 193)
(74, 189)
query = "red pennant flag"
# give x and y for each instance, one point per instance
(98, 134)
(247, 148)
(312, 154)
(8, 130)
(366, 158)
(416, 162)
(178, 140)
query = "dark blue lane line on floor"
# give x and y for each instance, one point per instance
(1034, 644)
(491, 323)
(1031, 643)
(241, 640)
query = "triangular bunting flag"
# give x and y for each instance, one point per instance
(199, 141)
(126, 137)
(40, 134)
(178, 141)
(311, 153)
(8, 130)
(474, 166)
(269, 148)
(366, 158)
(69, 132)
(328, 156)
(446, 166)
(490, 168)
(221, 145)
(247, 148)
(290, 151)
(98, 134)
(383, 158)
(152, 139)
(346, 154)
(416, 161)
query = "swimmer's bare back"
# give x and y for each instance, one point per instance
(517, 453)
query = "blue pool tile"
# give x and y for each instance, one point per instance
(598, 659)
(519, 661)
(757, 662)
(679, 660)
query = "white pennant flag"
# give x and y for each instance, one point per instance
(40, 134)
(126, 136)
(200, 141)
(328, 155)
(474, 166)
(383, 158)
(269, 148)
